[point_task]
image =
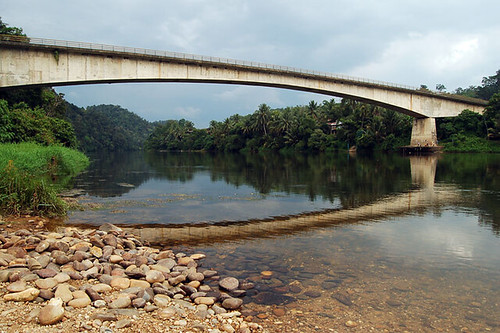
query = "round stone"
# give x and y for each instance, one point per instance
(102, 288)
(197, 256)
(121, 302)
(196, 276)
(80, 302)
(96, 251)
(229, 283)
(120, 283)
(184, 261)
(204, 300)
(154, 276)
(139, 283)
(100, 303)
(232, 303)
(46, 273)
(114, 258)
(161, 300)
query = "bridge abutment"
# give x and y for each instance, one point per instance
(423, 132)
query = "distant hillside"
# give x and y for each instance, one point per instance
(108, 127)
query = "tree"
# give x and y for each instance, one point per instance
(262, 118)
(6, 30)
(492, 117)
(490, 86)
(440, 87)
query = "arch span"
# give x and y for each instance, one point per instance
(56, 63)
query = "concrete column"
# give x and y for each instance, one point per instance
(423, 132)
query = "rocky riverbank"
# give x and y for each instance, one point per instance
(107, 280)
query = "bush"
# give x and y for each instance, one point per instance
(32, 175)
(465, 144)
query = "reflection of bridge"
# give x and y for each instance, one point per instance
(423, 169)
(53, 63)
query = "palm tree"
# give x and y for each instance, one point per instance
(263, 118)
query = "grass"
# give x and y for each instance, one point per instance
(31, 176)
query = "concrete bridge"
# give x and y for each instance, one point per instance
(46, 62)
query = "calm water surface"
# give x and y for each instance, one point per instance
(390, 243)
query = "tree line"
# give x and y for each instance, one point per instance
(334, 125)
(316, 127)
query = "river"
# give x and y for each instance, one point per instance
(347, 242)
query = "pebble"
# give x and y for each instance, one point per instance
(52, 313)
(155, 276)
(80, 302)
(46, 283)
(64, 293)
(120, 282)
(162, 301)
(229, 283)
(232, 303)
(121, 302)
(23, 296)
(146, 278)
(123, 323)
(17, 286)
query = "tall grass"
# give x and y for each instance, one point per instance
(28, 174)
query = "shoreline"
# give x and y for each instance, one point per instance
(106, 280)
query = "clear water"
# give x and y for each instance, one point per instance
(412, 243)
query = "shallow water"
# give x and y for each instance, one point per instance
(389, 243)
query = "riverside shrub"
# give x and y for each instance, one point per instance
(32, 175)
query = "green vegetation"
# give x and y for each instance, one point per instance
(326, 127)
(6, 30)
(31, 175)
(20, 123)
(108, 127)
(472, 132)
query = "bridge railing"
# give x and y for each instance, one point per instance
(214, 60)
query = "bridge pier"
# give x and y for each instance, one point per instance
(423, 132)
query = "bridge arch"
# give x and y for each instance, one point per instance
(58, 63)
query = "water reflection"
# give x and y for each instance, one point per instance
(176, 189)
(390, 243)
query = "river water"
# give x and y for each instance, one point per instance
(347, 243)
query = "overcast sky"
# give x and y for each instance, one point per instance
(454, 43)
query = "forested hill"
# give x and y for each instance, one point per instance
(108, 127)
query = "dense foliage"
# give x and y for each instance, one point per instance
(314, 127)
(20, 123)
(108, 127)
(31, 176)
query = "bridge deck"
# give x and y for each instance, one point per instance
(71, 46)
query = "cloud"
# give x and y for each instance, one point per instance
(188, 112)
(412, 42)
(425, 59)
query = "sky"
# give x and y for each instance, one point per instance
(412, 42)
